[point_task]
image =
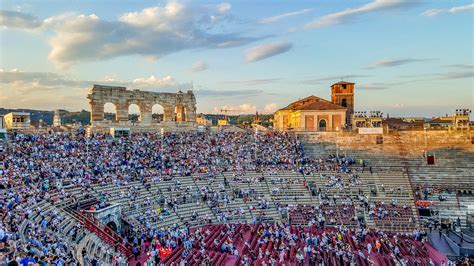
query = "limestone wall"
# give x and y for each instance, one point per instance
(408, 138)
(122, 98)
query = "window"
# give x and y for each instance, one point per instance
(344, 103)
(322, 125)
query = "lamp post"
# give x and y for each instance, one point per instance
(162, 133)
(426, 144)
(256, 144)
(337, 142)
(88, 132)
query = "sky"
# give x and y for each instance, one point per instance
(407, 57)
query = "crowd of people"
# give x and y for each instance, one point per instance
(269, 244)
(44, 167)
(38, 167)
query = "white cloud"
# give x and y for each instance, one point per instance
(455, 75)
(264, 51)
(459, 9)
(153, 32)
(452, 10)
(223, 8)
(270, 108)
(397, 62)
(199, 66)
(352, 13)
(465, 66)
(277, 18)
(15, 19)
(432, 12)
(28, 89)
(21, 89)
(155, 82)
(158, 18)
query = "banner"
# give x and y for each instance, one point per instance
(370, 130)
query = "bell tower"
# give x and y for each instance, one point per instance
(342, 94)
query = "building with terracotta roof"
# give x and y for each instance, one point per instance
(316, 114)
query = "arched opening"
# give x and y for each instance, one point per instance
(322, 125)
(344, 103)
(179, 113)
(134, 113)
(110, 112)
(112, 225)
(157, 113)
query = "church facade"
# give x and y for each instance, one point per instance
(316, 114)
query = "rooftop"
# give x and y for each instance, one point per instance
(342, 82)
(313, 103)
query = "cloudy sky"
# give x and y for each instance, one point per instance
(407, 57)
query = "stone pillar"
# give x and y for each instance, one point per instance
(168, 113)
(330, 126)
(97, 111)
(146, 113)
(191, 113)
(122, 111)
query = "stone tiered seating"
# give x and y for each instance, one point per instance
(340, 214)
(390, 217)
(259, 244)
(289, 188)
(302, 215)
(56, 222)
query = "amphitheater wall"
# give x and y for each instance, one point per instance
(408, 139)
(179, 109)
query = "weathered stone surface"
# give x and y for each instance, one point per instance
(109, 214)
(408, 138)
(178, 107)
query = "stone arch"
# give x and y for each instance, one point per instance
(157, 113)
(322, 125)
(110, 112)
(123, 98)
(112, 225)
(134, 112)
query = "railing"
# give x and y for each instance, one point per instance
(103, 232)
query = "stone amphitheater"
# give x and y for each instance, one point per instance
(393, 176)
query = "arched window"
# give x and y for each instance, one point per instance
(112, 226)
(134, 113)
(344, 103)
(157, 113)
(110, 112)
(322, 125)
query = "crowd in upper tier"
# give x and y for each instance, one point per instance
(39, 166)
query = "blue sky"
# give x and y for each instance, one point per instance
(407, 58)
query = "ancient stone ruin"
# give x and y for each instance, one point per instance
(179, 109)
